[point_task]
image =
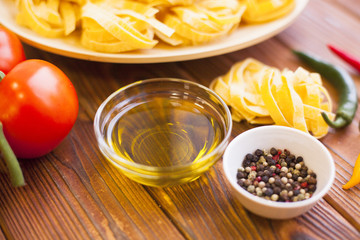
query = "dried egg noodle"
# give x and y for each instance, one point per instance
(261, 94)
(115, 26)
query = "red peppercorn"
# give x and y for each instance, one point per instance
(276, 157)
(278, 166)
(258, 178)
(253, 168)
(304, 184)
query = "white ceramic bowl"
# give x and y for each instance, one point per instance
(315, 155)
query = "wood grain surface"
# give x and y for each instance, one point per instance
(74, 193)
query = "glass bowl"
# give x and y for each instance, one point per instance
(163, 132)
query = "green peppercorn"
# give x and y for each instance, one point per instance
(274, 197)
(301, 196)
(284, 195)
(251, 188)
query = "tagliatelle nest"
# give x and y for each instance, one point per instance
(117, 25)
(261, 94)
(123, 25)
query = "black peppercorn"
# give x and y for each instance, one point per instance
(261, 167)
(273, 151)
(249, 156)
(312, 187)
(259, 152)
(271, 161)
(303, 173)
(299, 159)
(313, 175)
(277, 182)
(282, 174)
(240, 175)
(312, 180)
(246, 162)
(265, 178)
(288, 160)
(296, 192)
(268, 192)
(240, 182)
(277, 190)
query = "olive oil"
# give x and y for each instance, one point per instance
(165, 132)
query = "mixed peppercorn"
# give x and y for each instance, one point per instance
(276, 175)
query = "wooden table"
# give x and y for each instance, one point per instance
(74, 193)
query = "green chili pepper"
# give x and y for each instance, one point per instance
(342, 81)
(16, 175)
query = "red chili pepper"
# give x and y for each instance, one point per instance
(350, 59)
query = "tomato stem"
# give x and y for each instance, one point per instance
(2, 75)
(16, 175)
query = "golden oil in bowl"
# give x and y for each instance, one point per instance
(165, 132)
(162, 132)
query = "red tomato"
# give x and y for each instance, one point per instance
(11, 50)
(38, 107)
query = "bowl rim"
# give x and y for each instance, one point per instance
(281, 205)
(109, 153)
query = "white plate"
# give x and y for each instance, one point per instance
(243, 37)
